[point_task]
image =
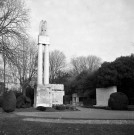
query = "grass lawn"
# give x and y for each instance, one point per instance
(16, 126)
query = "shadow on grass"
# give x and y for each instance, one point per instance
(130, 108)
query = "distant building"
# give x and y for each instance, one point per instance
(11, 81)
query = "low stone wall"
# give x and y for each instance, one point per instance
(103, 94)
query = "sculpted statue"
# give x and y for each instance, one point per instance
(43, 28)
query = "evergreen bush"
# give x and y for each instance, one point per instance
(41, 108)
(118, 101)
(23, 102)
(9, 101)
(60, 107)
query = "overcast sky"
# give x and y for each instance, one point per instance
(104, 28)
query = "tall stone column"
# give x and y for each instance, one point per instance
(43, 39)
(40, 62)
(46, 62)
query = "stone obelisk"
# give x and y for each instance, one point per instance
(43, 45)
(43, 92)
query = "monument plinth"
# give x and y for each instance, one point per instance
(46, 94)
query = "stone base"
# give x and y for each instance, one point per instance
(48, 95)
(43, 96)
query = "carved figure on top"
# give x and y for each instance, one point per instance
(43, 28)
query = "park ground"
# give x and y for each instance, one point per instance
(86, 121)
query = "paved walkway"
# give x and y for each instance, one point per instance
(83, 114)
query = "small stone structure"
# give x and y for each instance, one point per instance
(46, 94)
(77, 99)
(103, 94)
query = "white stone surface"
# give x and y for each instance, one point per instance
(103, 94)
(57, 97)
(57, 93)
(48, 95)
(46, 64)
(43, 96)
(40, 62)
(43, 40)
(57, 87)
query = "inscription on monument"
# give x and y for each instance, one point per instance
(44, 96)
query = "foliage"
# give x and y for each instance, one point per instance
(88, 101)
(118, 101)
(57, 64)
(1, 88)
(83, 75)
(84, 83)
(25, 64)
(67, 99)
(17, 93)
(1, 101)
(60, 107)
(23, 102)
(120, 73)
(90, 63)
(9, 101)
(65, 107)
(30, 94)
(41, 108)
(115, 72)
(13, 23)
(107, 75)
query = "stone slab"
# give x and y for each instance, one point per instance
(43, 96)
(103, 94)
(43, 40)
(48, 95)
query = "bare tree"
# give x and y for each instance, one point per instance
(24, 67)
(89, 63)
(57, 63)
(13, 20)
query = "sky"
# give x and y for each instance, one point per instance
(104, 28)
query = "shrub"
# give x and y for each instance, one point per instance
(89, 101)
(65, 107)
(60, 107)
(41, 108)
(67, 99)
(118, 101)
(131, 101)
(30, 94)
(1, 101)
(23, 102)
(9, 101)
(71, 108)
(17, 93)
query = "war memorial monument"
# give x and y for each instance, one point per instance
(46, 94)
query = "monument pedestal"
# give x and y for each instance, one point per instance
(43, 96)
(48, 95)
